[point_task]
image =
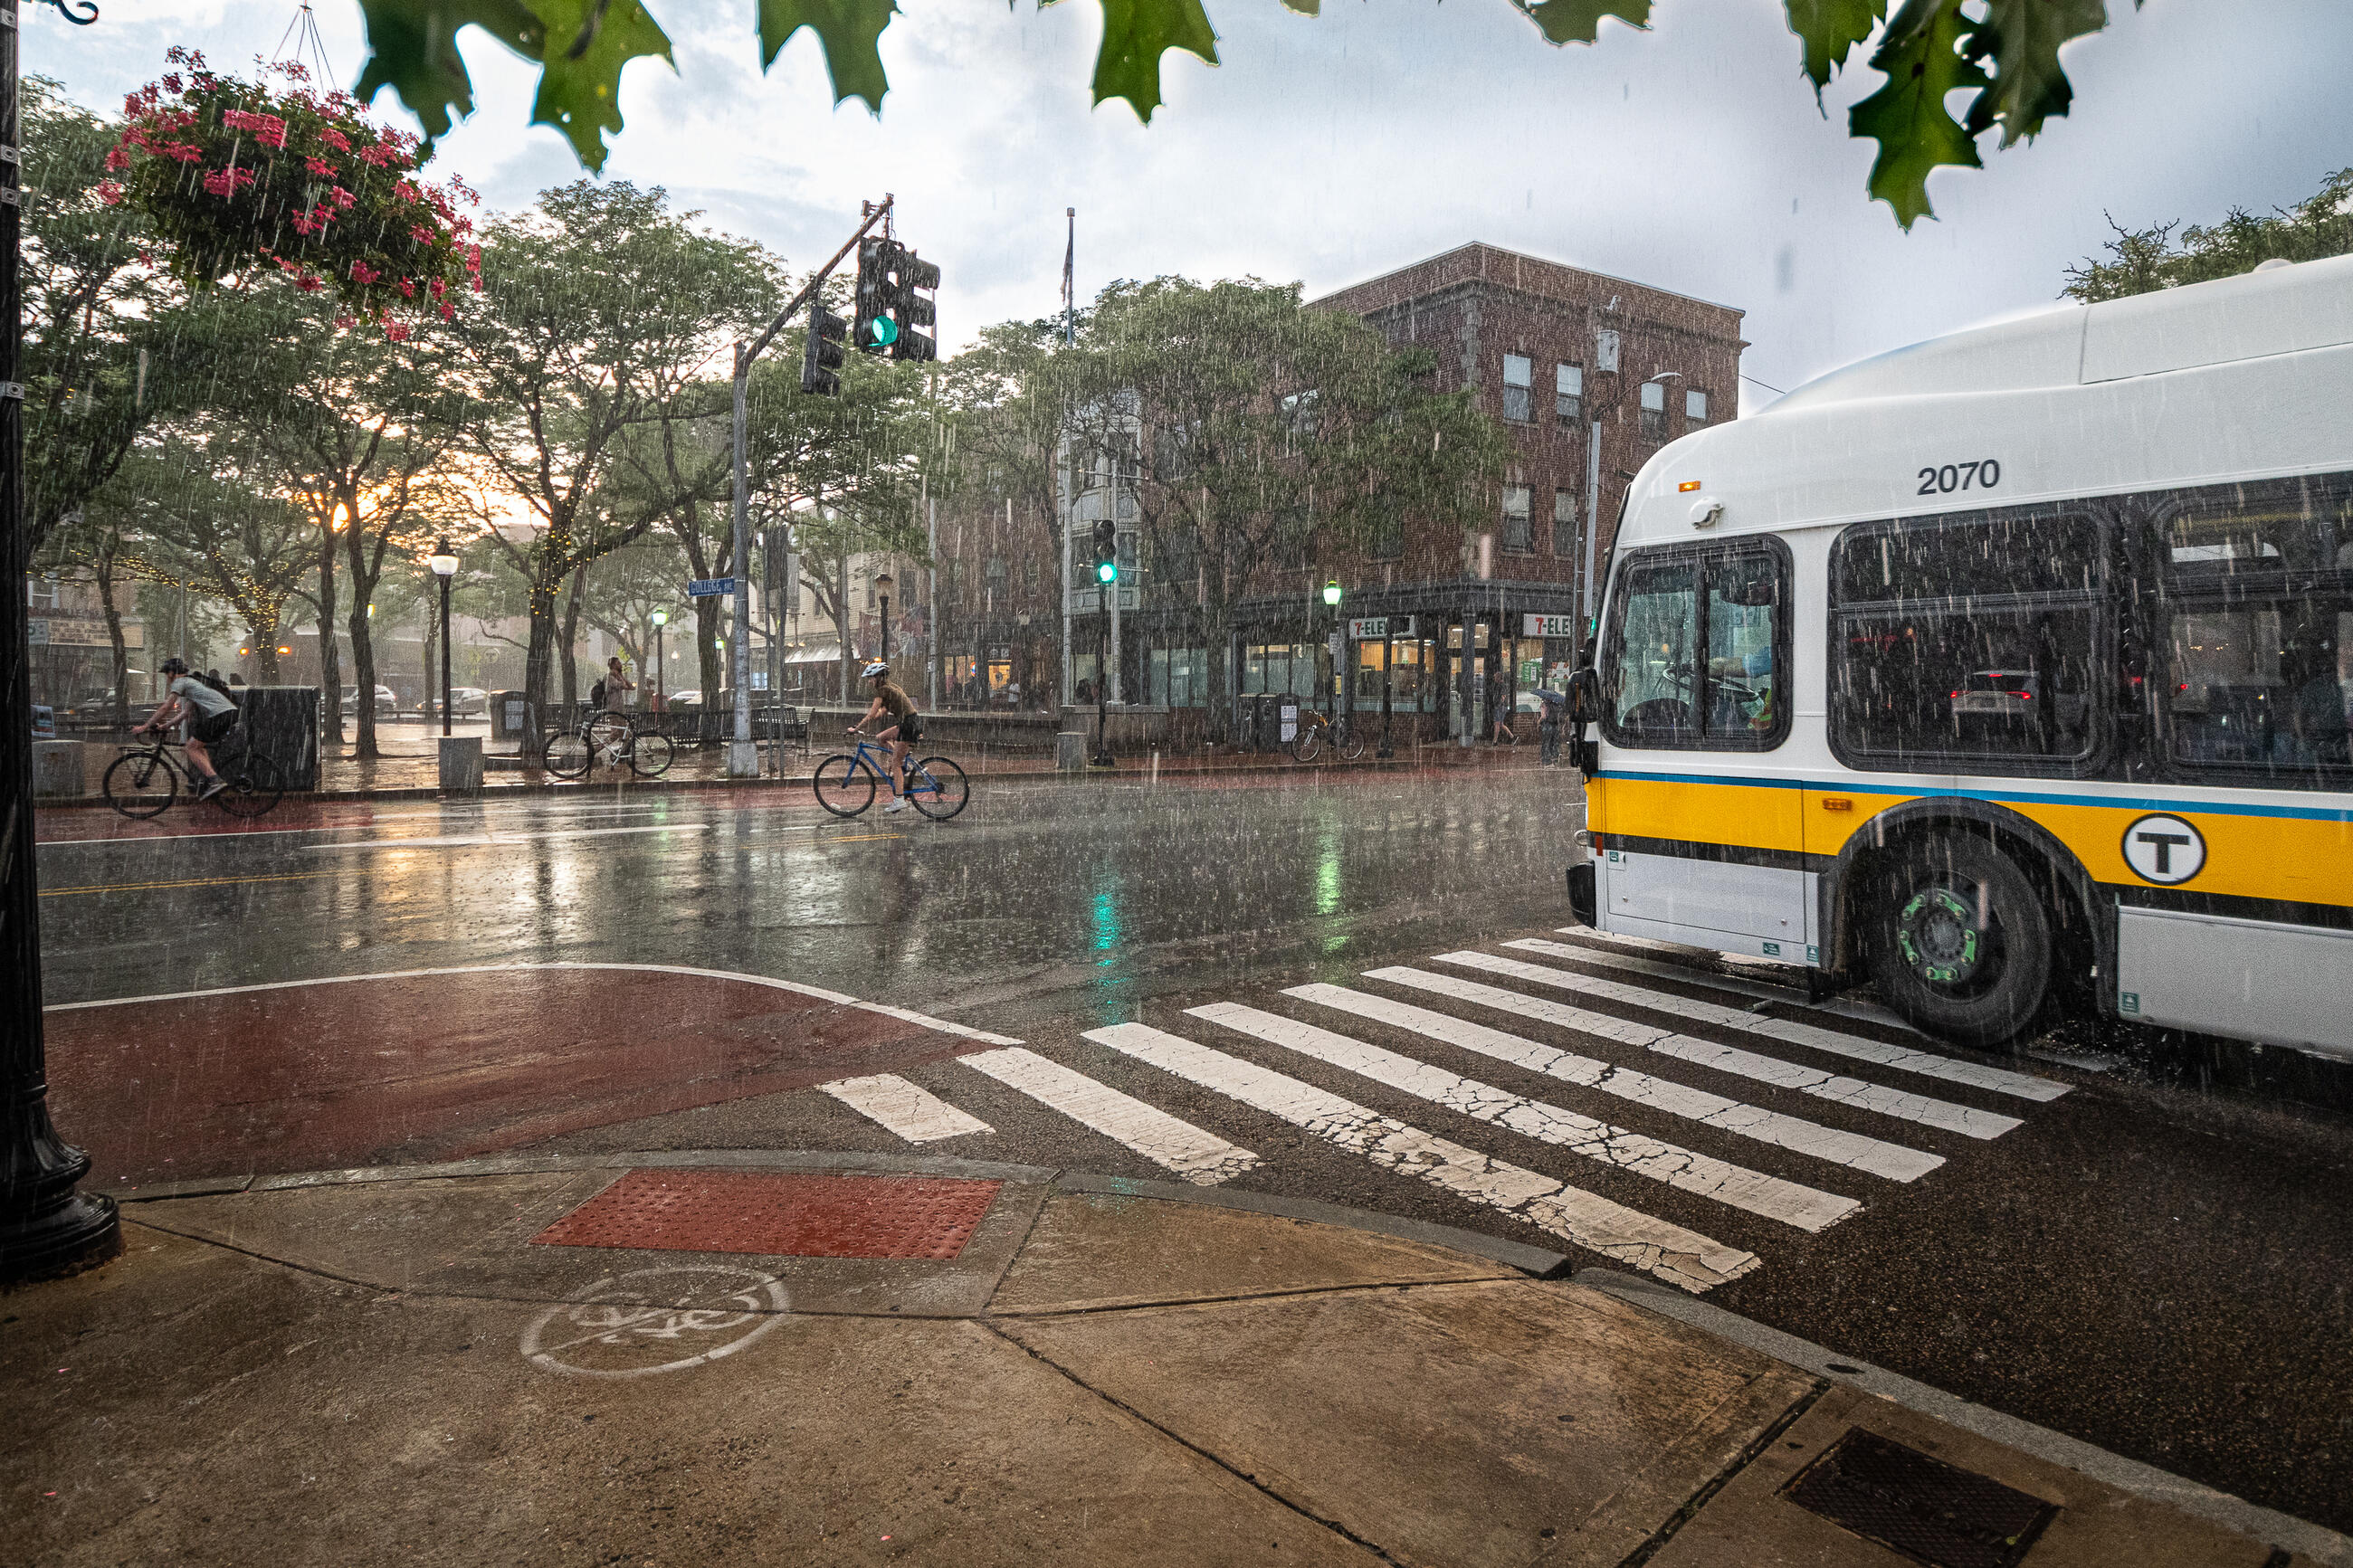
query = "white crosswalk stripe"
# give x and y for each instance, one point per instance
(1682, 1256)
(1835, 1042)
(1763, 982)
(1892, 1161)
(914, 1113)
(1790, 1202)
(1733, 1018)
(1202, 1158)
(1898, 1103)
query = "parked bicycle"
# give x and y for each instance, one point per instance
(145, 780)
(1316, 734)
(613, 738)
(845, 782)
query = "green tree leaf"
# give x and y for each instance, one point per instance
(1921, 55)
(413, 49)
(1136, 33)
(580, 96)
(1577, 21)
(848, 29)
(2021, 40)
(1830, 29)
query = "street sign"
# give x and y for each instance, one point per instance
(1086, 601)
(1550, 627)
(1339, 645)
(710, 587)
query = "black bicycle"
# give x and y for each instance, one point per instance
(1316, 733)
(613, 738)
(845, 782)
(144, 781)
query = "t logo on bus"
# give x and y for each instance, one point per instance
(2165, 850)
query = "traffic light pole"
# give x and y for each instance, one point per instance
(1102, 757)
(742, 754)
(47, 1227)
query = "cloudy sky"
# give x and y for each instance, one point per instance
(1333, 148)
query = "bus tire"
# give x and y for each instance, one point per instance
(1961, 944)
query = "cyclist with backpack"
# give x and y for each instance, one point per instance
(205, 704)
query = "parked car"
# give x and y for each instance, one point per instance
(387, 700)
(465, 700)
(685, 699)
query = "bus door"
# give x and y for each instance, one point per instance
(1704, 837)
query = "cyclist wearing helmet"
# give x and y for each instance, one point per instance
(210, 716)
(904, 729)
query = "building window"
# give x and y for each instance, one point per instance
(1605, 352)
(1517, 533)
(1519, 375)
(1695, 408)
(1568, 393)
(1654, 411)
(1564, 523)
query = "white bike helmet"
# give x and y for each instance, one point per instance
(871, 670)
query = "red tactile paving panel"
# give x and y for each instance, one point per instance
(779, 1215)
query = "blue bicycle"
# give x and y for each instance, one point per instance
(845, 782)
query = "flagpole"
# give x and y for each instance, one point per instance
(1070, 281)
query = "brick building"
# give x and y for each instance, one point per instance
(1588, 374)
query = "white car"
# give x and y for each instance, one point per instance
(387, 700)
(465, 700)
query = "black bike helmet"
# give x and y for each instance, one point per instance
(175, 666)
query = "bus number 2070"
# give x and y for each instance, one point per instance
(1984, 474)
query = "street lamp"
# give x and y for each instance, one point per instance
(882, 587)
(444, 561)
(661, 699)
(1332, 603)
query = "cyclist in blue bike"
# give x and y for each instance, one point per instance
(905, 727)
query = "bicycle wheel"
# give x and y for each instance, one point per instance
(937, 788)
(649, 756)
(1308, 743)
(843, 787)
(140, 783)
(569, 754)
(256, 785)
(1351, 744)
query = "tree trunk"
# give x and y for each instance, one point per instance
(431, 640)
(364, 583)
(538, 663)
(263, 640)
(572, 637)
(841, 619)
(706, 649)
(105, 574)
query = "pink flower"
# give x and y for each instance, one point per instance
(421, 233)
(185, 152)
(437, 288)
(381, 154)
(320, 167)
(228, 181)
(117, 160)
(363, 273)
(172, 83)
(396, 331)
(110, 191)
(449, 311)
(308, 283)
(267, 128)
(408, 290)
(346, 320)
(477, 282)
(335, 139)
(405, 190)
(145, 259)
(344, 198)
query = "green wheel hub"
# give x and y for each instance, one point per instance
(1938, 934)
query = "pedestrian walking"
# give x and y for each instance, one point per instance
(606, 693)
(1548, 725)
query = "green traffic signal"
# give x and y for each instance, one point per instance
(1106, 570)
(886, 331)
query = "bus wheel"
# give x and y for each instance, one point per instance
(1961, 944)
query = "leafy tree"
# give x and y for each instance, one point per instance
(1270, 431)
(2007, 55)
(603, 311)
(2142, 259)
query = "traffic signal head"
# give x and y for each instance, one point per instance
(823, 355)
(1106, 551)
(890, 306)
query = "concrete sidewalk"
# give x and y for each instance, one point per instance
(685, 1358)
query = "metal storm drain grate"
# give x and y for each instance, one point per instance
(779, 1215)
(1927, 1509)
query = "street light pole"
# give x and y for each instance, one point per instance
(1336, 643)
(445, 566)
(46, 1225)
(882, 586)
(662, 697)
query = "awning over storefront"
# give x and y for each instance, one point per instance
(815, 653)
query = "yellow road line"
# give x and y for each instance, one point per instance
(862, 838)
(191, 882)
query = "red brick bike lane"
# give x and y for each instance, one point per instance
(441, 1064)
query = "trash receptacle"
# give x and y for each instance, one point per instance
(283, 724)
(507, 717)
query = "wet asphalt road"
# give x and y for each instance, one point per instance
(2154, 1267)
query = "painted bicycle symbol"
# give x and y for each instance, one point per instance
(637, 1324)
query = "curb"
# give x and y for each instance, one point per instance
(2280, 1530)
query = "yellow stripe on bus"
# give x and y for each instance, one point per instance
(2300, 860)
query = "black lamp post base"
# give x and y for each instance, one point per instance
(79, 1232)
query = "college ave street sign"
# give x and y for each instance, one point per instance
(710, 587)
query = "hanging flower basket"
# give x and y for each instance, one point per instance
(238, 176)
